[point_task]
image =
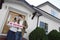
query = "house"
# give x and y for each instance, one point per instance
(12, 8)
(50, 19)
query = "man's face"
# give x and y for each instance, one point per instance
(20, 18)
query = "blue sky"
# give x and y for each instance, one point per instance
(37, 2)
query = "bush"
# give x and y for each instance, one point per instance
(54, 35)
(38, 34)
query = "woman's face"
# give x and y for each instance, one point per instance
(16, 19)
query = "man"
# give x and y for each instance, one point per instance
(25, 26)
(20, 32)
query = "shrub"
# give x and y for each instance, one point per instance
(54, 35)
(38, 34)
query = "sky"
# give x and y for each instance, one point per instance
(38, 2)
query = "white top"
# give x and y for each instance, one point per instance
(14, 29)
(21, 22)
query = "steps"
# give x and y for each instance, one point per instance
(3, 37)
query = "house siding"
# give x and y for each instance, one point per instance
(52, 25)
(49, 8)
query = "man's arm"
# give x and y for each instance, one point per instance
(25, 24)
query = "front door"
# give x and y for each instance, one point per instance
(10, 17)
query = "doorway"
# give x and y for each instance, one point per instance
(10, 17)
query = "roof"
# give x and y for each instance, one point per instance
(43, 10)
(36, 11)
(25, 3)
(21, 2)
(48, 3)
(57, 19)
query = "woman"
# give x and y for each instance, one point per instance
(12, 30)
(19, 31)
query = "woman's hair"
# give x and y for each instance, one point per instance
(15, 19)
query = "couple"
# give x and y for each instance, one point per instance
(16, 33)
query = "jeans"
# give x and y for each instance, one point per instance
(10, 35)
(18, 36)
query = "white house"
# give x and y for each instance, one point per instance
(11, 8)
(51, 16)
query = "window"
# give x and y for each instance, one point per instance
(44, 26)
(53, 13)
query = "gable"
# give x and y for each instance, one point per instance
(48, 5)
(50, 8)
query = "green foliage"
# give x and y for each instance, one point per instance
(38, 34)
(54, 35)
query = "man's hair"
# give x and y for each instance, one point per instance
(20, 16)
(18, 21)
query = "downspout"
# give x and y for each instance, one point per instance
(37, 20)
(38, 15)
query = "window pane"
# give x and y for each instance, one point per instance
(42, 24)
(46, 27)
